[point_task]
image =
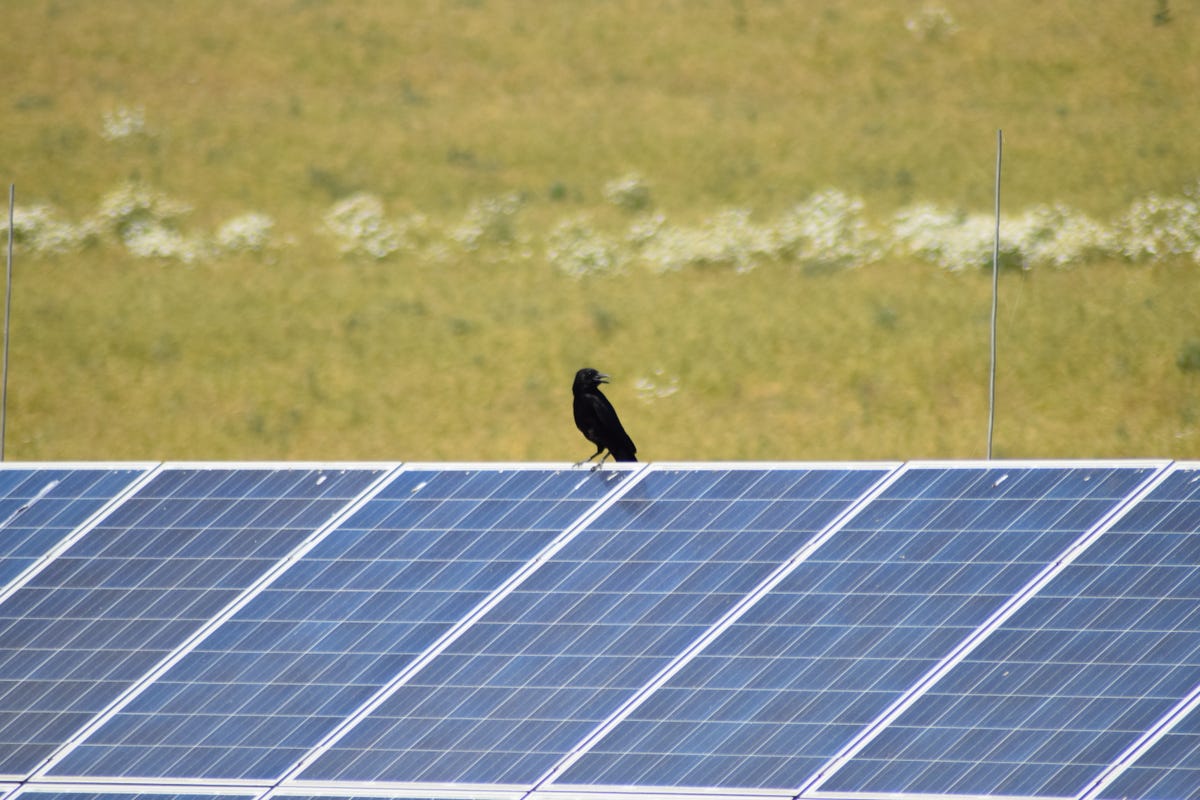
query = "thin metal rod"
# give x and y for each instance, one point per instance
(995, 299)
(12, 197)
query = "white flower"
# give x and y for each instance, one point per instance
(135, 203)
(577, 249)
(827, 230)
(41, 229)
(644, 229)
(122, 123)
(1057, 236)
(358, 225)
(491, 220)
(932, 23)
(729, 238)
(249, 232)
(1159, 227)
(148, 239)
(656, 387)
(629, 192)
(954, 241)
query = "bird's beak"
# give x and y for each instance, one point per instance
(602, 378)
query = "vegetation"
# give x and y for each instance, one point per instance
(298, 229)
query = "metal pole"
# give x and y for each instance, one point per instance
(12, 196)
(995, 298)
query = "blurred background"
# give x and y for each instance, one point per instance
(364, 229)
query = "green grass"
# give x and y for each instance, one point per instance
(285, 107)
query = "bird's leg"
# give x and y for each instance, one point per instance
(600, 463)
(599, 450)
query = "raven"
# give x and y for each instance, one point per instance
(597, 419)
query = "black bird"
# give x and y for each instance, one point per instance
(597, 419)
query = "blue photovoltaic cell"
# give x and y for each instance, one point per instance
(853, 627)
(1072, 679)
(265, 687)
(592, 625)
(40, 507)
(154, 570)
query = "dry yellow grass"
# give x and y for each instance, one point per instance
(285, 106)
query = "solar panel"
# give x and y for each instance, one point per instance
(592, 625)
(310, 648)
(153, 571)
(1062, 688)
(39, 507)
(535, 632)
(853, 627)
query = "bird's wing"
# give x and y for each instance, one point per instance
(611, 431)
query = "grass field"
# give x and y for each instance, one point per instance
(393, 230)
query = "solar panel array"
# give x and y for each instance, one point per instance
(1015, 629)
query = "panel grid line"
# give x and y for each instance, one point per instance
(204, 631)
(969, 644)
(720, 626)
(30, 572)
(447, 638)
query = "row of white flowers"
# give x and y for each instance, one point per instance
(147, 222)
(828, 230)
